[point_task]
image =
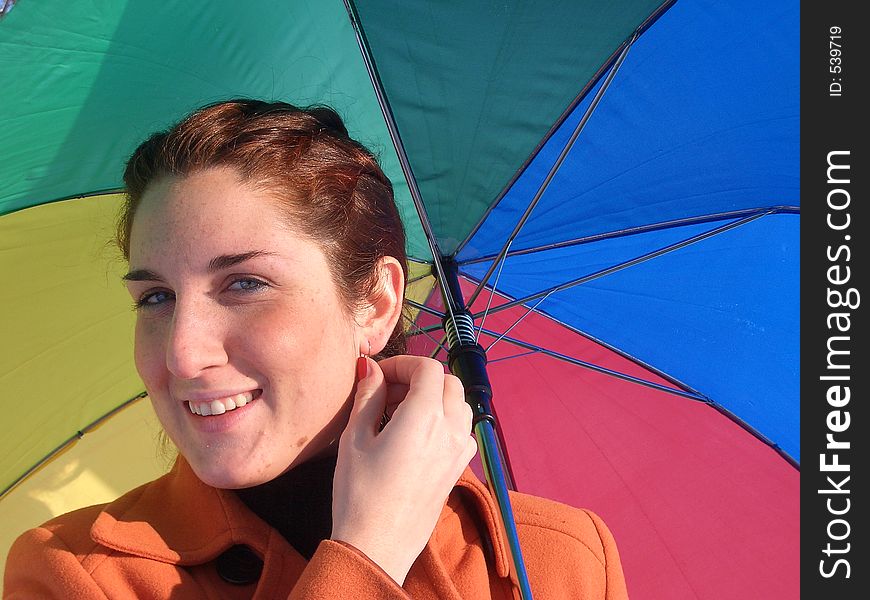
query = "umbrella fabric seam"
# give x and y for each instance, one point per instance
(627, 356)
(700, 397)
(575, 135)
(629, 263)
(602, 370)
(605, 66)
(701, 219)
(63, 446)
(79, 196)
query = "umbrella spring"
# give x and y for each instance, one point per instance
(460, 330)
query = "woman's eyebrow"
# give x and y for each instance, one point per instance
(142, 275)
(225, 261)
(218, 263)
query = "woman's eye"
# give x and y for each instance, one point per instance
(247, 285)
(153, 299)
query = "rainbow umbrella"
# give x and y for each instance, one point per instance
(614, 185)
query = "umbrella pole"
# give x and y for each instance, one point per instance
(467, 360)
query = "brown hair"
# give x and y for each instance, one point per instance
(326, 181)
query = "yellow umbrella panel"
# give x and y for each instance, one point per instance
(67, 326)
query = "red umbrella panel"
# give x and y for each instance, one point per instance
(674, 478)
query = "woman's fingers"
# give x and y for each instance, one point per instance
(390, 486)
(370, 399)
(419, 396)
(396, 393)
(375, 392)
(424, 378)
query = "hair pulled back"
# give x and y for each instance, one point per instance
(330, 186)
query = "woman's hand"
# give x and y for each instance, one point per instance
(390, 486)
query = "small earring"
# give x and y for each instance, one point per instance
(369, 353)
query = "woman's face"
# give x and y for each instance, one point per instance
(242, 340)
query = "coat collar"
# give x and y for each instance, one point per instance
(177, 519)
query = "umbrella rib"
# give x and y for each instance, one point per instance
(425, 309)
(417, 278)
(529, 311)
(614, 349)
(512, 356)
(393, 129)
(427, 329)
(598, 368)
(553, 169)
(414, 324)
(69, 441)
(730, 415)
(737, 214)
(686, 390)
(622, 353)
(605, 66)
(489, 302)
(629, 263)
(436, 351)
(92, 194)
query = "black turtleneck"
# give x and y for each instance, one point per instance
(298, 503)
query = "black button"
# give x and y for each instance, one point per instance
(239, 566)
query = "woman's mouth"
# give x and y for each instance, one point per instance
(219, 406)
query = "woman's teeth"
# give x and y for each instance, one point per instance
(206, 408)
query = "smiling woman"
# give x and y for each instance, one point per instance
(266, 262)
(221, 319)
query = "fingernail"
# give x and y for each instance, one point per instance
(362, 368)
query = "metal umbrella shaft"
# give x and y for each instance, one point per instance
(467, 360)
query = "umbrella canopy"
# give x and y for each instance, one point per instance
(624, 174)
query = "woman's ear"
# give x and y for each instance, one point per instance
(379, 318)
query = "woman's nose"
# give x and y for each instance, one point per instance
(196, 341)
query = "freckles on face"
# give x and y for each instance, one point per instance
(242, 339)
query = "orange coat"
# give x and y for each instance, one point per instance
(162, 540)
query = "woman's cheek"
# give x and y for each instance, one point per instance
(148, 351)
(269, 332)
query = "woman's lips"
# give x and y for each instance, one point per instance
(219, 406)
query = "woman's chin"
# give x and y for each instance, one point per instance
(233, 473)
(231, 463)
